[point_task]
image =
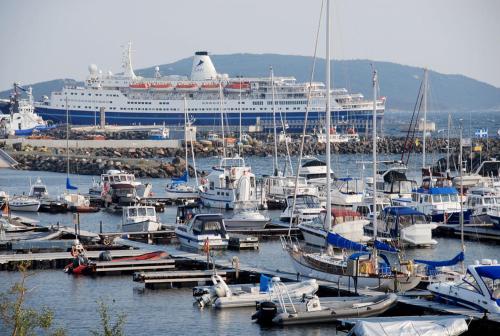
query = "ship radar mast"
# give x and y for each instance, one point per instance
(128, 71)
(157, 72)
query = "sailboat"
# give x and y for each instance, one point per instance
(74, 201)
(365, 268)
(179, 189)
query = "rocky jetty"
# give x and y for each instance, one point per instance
(168, 162)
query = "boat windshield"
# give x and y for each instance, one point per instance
(444, 198)
(419, 219)
(307, 202)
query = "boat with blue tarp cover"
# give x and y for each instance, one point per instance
(404, 226)
(439, 204)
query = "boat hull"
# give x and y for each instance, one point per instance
(25, 207)
(198, 242)
(144, 226)
(245, 224)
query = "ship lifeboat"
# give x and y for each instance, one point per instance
(186, 87)
(162, 87)
(139, 86)
(238, 87)
(210, 87)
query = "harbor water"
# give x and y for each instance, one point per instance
(170, 311)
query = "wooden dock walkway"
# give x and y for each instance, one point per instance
(133, 265)
(171, 278)
(49, 256)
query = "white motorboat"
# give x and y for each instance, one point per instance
(347, 192)
(315, 171)
(482, 199)
(404, 225)
(441, 204)
(278, 188)
(321, 310)
(479, 289)
(120, 187)
(139, 219)
(347, 223)
(220, 295)
(486, 169)
(247, 217)
(24, 203)
(203, 231)
(307, 207)
(38, 189)
(229, 182)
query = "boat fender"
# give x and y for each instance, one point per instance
(409, 266)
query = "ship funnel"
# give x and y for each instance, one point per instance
(203, 68)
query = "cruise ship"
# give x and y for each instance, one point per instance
(128, 99)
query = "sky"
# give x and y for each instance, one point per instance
(44, 40)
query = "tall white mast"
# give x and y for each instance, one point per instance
(67, 139)
(328, 218)
(275, 161)
(241, 133)
(448, 146)
(221, 104)
(374, 128)
(424, 132)
(185, 134)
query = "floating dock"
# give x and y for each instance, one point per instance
(171, 279)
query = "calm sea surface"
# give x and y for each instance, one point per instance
(170, 312)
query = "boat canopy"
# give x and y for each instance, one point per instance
(341, 242)
(433, 264)
(491, 272)
(420, 325)
(438, 191)
(401, 211)
(183, 179)
(384, 247)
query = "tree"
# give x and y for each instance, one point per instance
(107, 329)
(21, 320)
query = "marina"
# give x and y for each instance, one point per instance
(251, 193)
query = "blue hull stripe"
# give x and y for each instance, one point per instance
(295, 119)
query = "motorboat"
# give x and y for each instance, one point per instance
(278, 188)
(220, 295)
(307, 207)
(230, 182)
(321, 310)
(391, 181)
(487, 168)
(203, 231)
(347, 223)
(479, 289)
(38, 189)
(404, 226)
(365, 208)
(410, 325)
(139, 218)
(159, 134)
(482, 199)
(494, 214)
(116, 186)
(440, 204)
(78, 203)
(315, 171)
(347, 192)
(24, 203)
(247, 217)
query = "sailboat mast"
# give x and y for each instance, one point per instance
(328, 218)
(185, 135)
(424, 131)
(67, 139)
(241, 133)
(374, 130)
(222, 120)
(461, 218)
(275, 161)
(448, 146)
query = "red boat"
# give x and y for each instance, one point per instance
(162, 86)
(238, 87)
(82, 265)
(187, 87)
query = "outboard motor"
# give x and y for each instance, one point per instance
(266, 312)
(105, 256)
